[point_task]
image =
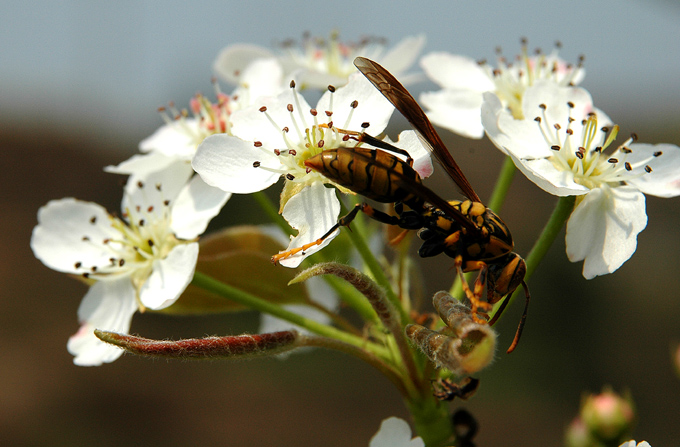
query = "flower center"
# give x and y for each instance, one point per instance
(578, 148)
(512, 79)
(143, 235)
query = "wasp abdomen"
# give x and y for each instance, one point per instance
(375, 174)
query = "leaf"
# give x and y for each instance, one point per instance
(241, 257)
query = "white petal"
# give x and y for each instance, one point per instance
(372, 108)
(58, 242)
(664, 180)
(452, 71)
(195, 206)
(456, 110)
(108, 305)
(174, 139)
(156, 189)
(558, 101)
(170, 276)
(252, 125)
(403, 54)
(261, 78)
(547, 177)
(142, 165)
(422, 162)
(144, 168)
(232, 60)
(226, 162)
(395, 432)
(603, 229)
(312, 212)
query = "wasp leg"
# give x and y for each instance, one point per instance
(520, 327)
(363, 137)
(476, 305)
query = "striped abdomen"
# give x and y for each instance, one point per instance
(375, 174)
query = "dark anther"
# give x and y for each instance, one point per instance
(257, 144)
(648, 169)
(354, 104)
(292, 83)
(613, 160)
(628, 166)
(331, 89)
(256, 164)
(290, 176)
(289, 107)
(263, 109)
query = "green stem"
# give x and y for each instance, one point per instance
(271, 211)
(431, 420)
(376, 270)
(562, 211)
(224, 290)
(500, 191)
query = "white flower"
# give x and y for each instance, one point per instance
(633, 444)
(276, 139)
(174, 144)
(395, 432)
(143, 260)
(463, 81)
(562, 150)
(318, 62)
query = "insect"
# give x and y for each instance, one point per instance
(473, 235)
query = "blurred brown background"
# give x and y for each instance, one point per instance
(580, 335)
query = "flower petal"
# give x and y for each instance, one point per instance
(452, 71)
(395, 432)
(603, 229)
(456, 110)
(174, 139)
(546, 176)
(312, 212)
(58, 239)
(108, 305)
(372, 107)
(195, 206)
(261, 78)
(400, 57)
(152, 191)
(664, 180)
(170, 276)
(232, 60)
(422, 162)
(226, 162)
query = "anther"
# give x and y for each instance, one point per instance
(605, 129)
(313, 112)
(286, 129)
(569, 131)
(570, 104)
(557, 126)
(537, 119)
(289, 107)
(141, 222)
(263, 109)
(256, 164)
(321, 143)
(628, 166)
(555, 148)
(257, 144)
(290, 176)
(354, 104)
(149, 209)
(158, 187)
(634, 136)
(85, 239)
(77, 264)
(93, 268)
(86, 275)
(105, 241)
(329, 113)
(648, 169)
(543, 106)
(140, 184)
(277, 152)
(293, 152)
(121, 263)
(292, 83)
(626, 150)
(150, 242)
(657, 153)
(345, 138)
(331, 89)
(166, 202)
(579, 155)
(93, 219)
(365, 125)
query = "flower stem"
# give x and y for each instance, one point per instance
(224, 290)
(500, 191)
(271, 211)
(561, 213)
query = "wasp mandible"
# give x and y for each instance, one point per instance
(467, 231)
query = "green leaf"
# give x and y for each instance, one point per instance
(240, 257)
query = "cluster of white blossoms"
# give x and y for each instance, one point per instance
(189, 168)
(534, 113)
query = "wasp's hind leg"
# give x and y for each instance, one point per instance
(477, 306)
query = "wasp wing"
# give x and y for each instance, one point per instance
(402, 100)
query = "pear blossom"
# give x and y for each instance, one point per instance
(632, 443)
(395, 432)
(142, 260)
(175, 143)
(463, 81)
(275, 139)
(562, 150)
(318, 62)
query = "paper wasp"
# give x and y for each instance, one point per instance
(473, 235)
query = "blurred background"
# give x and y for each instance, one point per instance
(80, 83)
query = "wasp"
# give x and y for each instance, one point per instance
(467, 231)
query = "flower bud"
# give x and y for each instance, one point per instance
(608, 416)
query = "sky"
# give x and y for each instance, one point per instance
(113, 64)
